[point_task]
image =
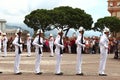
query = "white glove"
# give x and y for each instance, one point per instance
(83, 45)
(62, 46)
(20, 45)
(40, 46)
(106, 47)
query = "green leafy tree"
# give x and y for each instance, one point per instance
(39, 18)
(67, 18)
(64, 17)
(113, 23)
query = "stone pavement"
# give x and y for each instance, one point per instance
(68, 65)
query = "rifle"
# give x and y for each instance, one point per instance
(61, 51)
(82, 50)
(39, 42)
(19, 50)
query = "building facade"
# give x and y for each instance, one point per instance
(114, 9)
(2, 24)
(10, 32)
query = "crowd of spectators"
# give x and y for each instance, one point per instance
(92, 45)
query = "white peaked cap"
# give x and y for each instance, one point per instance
(60, 30)
(51, 35)
(39, 31)
(81, 29)
(28, 34)
(15, 34)
(0, 31)
(106, 29)
(18, 30)
(4, 34)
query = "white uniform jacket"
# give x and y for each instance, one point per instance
(51, 41)
(104, 42)
(0, 42)
(58, 45)
(29, 41)
(79, 44)
(37, 45)
(17, 45)
(5, 40)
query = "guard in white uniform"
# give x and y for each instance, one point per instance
(17, 42)
(4, 40)
(0, 46)
(28, 45)
(59, 51)
(38, 43)
(80, 47)
(0, 41)
(103, 51)
(51, 44)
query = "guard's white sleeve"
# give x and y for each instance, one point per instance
(35, 42)
(78, 41)
(57, 42)
(104, 42)
(15, 42)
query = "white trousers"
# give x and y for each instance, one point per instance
(103, 58)
(37, 63)
(29, 50)
(58, 63)
(79, 61)
(0, 46)
(51, 50)
(69, 48)
(17, 63)
(5, 50)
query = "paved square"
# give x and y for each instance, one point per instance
(68, 66)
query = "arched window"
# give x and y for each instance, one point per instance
(118, 4)
(111, 4)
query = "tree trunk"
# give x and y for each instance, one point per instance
(114, 34)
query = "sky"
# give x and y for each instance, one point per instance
(14, 11)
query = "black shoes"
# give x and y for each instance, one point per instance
(51, 56)
(18, 73)
(59, 73)
(102, 74)
(0, 72)
(39, 73)
(27, 56)
(80, 74)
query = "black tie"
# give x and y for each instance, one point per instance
(19, 52)
(61, 51)
(39, 42)
(82, 51)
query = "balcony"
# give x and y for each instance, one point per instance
(112, 9)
